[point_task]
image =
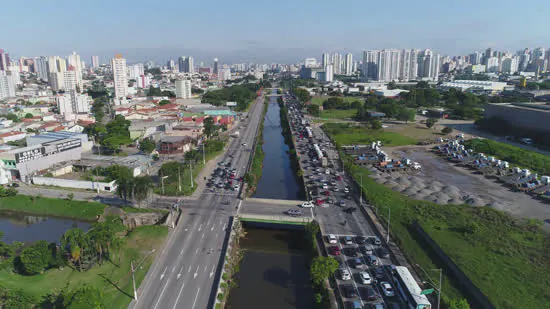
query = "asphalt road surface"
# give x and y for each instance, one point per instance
(184, 273)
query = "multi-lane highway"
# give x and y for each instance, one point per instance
(184, 273)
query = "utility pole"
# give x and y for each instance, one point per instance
(191, 166)
(388, 235)
(203, 155)
(162, 182)
(361, 188)
(133, 278)
(179, 179)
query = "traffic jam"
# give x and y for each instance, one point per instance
(365, 276)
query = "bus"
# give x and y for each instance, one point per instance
(409, 290)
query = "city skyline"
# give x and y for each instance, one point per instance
(309, 28)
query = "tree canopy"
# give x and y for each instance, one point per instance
(242, 94)
(84, 296)
(147, 145)
(322, 267)
(117, 133)
(35, 258)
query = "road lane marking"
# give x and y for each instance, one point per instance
(179, 294)
(196, 273)
(163, 273)
(189, 269)
(212, 228)
(173, 268)
(197, 250)
(212, 271)
(196, 297)
(179, 274)
(200, 227)
(202, 236)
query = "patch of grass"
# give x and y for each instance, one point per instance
(346, 134)
(338, 113)
(255, 172)
(52, 207)
(414, 131)
(533, 160)
(506, 258)
(320, 100)
(113, 278)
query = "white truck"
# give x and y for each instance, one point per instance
(236, 134)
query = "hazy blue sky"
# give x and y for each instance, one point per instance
(282, 30)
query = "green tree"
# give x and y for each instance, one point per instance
(84, 297)
(147, 145)
(302, 94)
(164, 102)
(29, 115)
(314, 110)
(191, 156)
(447, 130)
(459, 304)
(12, 117)
(15, 299)
(392, 85)
(35, 258)
(361, 113)
(77, 243)
(117, 133)
(209, 127)
(322, 267)
(406, 114)
(375, 124)
(430, 122)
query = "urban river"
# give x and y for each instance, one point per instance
(278, 179)
(273, 272)
(25, 228)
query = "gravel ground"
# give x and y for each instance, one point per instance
(445, 183)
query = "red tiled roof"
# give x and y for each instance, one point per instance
(187, 118)
(8, 134)
(169, 106)
(85, 123)
(60, 128)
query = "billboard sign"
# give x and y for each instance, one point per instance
(30, 155)
(68, 145)
(231, 104)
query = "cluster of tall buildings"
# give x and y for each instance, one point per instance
(186, 64)
(341, 64)
(401, 65)
(492, 61)
(9, 76)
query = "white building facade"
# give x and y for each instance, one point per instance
(183, 88)
(118, 66)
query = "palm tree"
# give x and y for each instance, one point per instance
(76, 242)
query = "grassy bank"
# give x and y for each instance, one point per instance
(505, 258)
(320, 100)
(338, 113)
(347, 134)
(532, 160)
(43, 206)
(255, 172)
(114, 279)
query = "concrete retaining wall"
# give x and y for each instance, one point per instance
(234, 226)
(75, 184)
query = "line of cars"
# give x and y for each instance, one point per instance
(224, 178)
(363, 279)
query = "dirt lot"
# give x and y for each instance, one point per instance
(444, 183)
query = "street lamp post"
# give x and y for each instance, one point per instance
(162, 182)
(440, 270)
(389, 217)
(135, 269)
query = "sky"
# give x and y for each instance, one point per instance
(268, 31)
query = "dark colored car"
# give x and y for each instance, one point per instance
(349, 291)
(360, 240)
(370, 293)
(383, 252)
(353, 252)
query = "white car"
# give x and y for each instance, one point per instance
(325, 186)
(365, 277)
(244, 144)
(307, 204)
(387, 289)
(332, 239)
(346, 190)
(344, 274)
(327, 171)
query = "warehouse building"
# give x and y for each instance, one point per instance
(532, 116)
(23, 162)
